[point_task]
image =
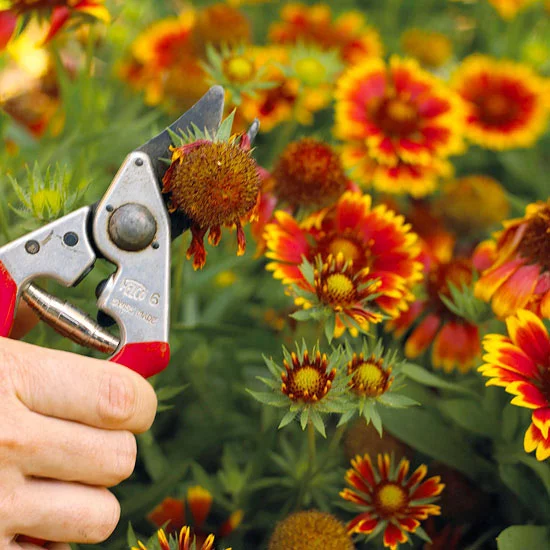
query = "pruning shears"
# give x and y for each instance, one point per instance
(131, 228)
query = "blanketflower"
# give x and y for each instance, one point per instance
(509, 8)
(308, 173)
(309, 529)
(460, 199)
(413, 179)
(520, 363)
(506, 105)
(432, 49)
(517, 264)
(58, 11)
(170, 514)
(348, 33)
(389, 502)
(401, 112)
(454, 341)
(185, 541)
(370, 237)
(215, 181)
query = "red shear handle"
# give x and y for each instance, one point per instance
(145, 358)
(8, 298)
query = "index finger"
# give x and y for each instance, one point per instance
(73, 387)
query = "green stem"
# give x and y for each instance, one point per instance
(178, 280)
(311, 447)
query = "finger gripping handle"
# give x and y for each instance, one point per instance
(8, 299)
(145, 358)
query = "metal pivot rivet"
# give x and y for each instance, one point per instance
(70, 238)
(32, 247)
(139, 162)
(155, 245)
(109, 208)
(132, 227)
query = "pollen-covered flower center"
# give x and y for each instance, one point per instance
(307, 380)
(310, 71)
(369, 377)
(214, 183)
(339, 289)
(238, 69)
(496, 109)
(535, 244)
(397, 117)
(347, 248)
(389, 499)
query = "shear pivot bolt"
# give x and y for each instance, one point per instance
(32, 247)
(132, 227)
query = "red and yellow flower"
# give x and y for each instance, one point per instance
(388, 501)
(403, 178)
(59, 12)
(365, 237)
(348, 33)
(171, 514)
(517, 262)
(185, 541)
(520, 363)
(455, 341)
(506, 104)
(509, 8)
(399, 111)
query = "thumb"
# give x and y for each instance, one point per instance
(25, 320)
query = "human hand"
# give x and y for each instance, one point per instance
(66, 425)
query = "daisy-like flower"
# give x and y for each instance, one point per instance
(310, 383)
(403, 178)
(58, 11)
(401, 112)
(506, 104)
(388, 501)
(455, 341)
(367, 237)
(509, 8)
(171, 514)
(309, 529)
(215, 181)
(520, 363)
(517, 262)
(459, 204)
(308, 173)
(165, 62)
(348, 33)
(185, 541)
(372, 373)
(432, 49)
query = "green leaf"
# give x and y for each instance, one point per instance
(426, 378)
(397, 401)
(318, 423)
(287, 419)
(131, 536)
(424, 430)
(301, 315)
(521, 537)
(330, 324)
(163, 394)
(304, 418)
(469, 415)
(224, 131)
(346, 417)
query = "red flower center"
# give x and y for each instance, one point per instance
(389, 499)
(535, 244)
(369, 376)
(397, 117)
(496, 109)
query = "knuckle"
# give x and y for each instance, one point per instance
(126, 455)
(117, 398)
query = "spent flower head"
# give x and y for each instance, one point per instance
(308, 384)
(214, 181)
(373, 373)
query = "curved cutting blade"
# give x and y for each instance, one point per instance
(205, 114)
